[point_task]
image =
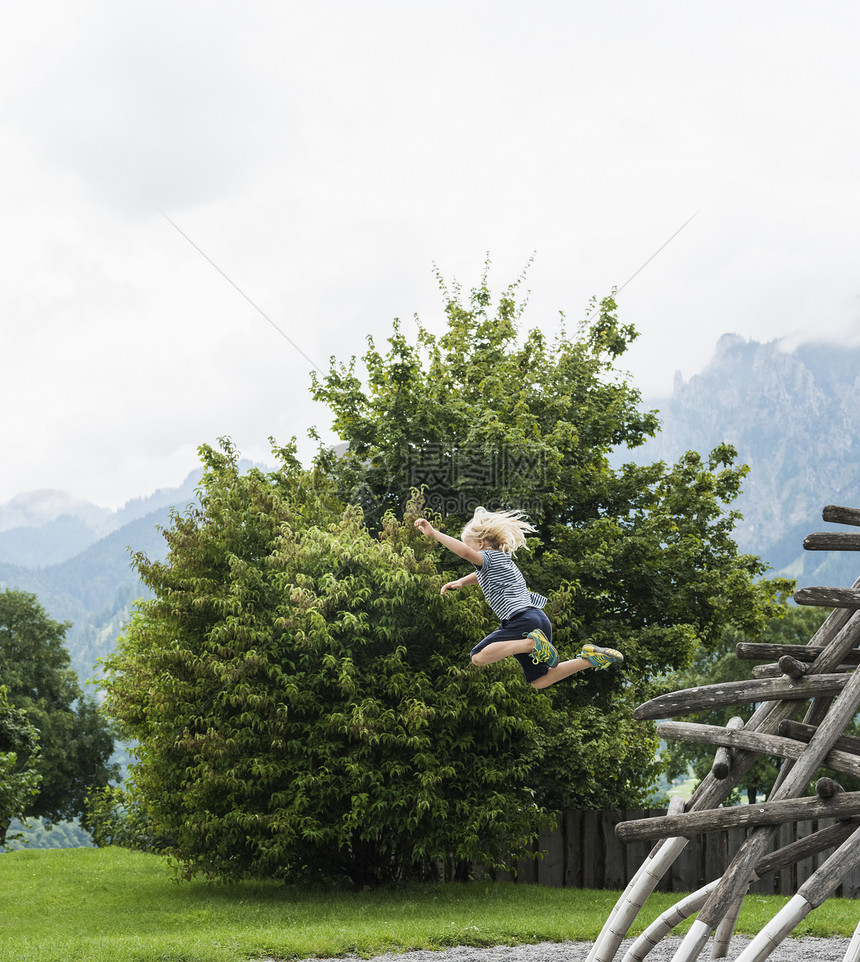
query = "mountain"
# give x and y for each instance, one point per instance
(47, 527)
(76, 558)
(794, 418)
(36, 508)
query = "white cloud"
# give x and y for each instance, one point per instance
(326, 155)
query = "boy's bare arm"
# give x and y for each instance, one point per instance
(452, 544)
(471, 579)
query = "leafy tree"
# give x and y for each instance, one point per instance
(76, 741)
(19, 749)
(297, 691)
(300, 693)
(115, 816)
(792, 626)
(637, 557)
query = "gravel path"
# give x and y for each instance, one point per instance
(790, 950)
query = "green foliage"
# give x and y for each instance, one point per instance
(115, 817)
(792, 626)
(639, 558)
(76, 742)
(19, 751)
(299, 697)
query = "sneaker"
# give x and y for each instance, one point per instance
(544, 652)
(600, 658)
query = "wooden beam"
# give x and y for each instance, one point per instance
(708, 697)
(827, 787)
(837, 634)
(832, 541)
(723, 756)
(780, 745)
(758, 651)
(839, 515)
(739, 816)
(812, 844)
(774, 671)
(803, 733)
(794, 668)
(736, 878)
(824, 880)
(828, 597)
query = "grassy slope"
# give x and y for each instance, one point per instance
(116, 906)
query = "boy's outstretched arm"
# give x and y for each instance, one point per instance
(452, 544)
(471, 579)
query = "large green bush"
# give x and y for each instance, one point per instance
(300, 698)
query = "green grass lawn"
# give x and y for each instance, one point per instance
(112, 905)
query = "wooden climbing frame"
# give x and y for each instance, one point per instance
(820, 674)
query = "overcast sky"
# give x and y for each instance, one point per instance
(325, 155)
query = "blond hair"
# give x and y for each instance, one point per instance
(504, 530)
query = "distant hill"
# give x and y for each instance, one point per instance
(78, 562)
(794, 418)
(42, 528)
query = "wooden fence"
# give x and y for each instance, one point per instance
(583, 852)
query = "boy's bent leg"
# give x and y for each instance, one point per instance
(497, 650)
(560, 672)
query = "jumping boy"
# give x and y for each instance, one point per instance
(488, 542)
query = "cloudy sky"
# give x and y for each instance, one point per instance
(326, 154)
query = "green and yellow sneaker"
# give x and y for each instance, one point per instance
(601, 658)
(544, 652)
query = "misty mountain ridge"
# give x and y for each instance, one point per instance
(794, 418)
(76, 558)
(47, 527)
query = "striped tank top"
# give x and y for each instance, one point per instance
(504, 586)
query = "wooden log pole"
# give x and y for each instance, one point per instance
(806, 847)
(738, 874)
(840, 643)
(711, 792)
(843, 641)
(826, 787)
(783, 747)
(709, 697)
(661, 927)
(812, 844)
(852, 953)
(745, 816)
(723, 756)
(837, 635)
(766, 671)
(828, 597)
(801, 732)
(833, 625)
(724, 931)
(774, 671)
(791, 666)
(838, 515)
(633, 898)
(757, 651)
(832, 541)
(810, 895)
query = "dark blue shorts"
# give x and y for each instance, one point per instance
(516, 627)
